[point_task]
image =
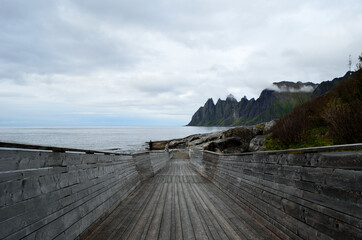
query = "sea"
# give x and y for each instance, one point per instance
(116, 139)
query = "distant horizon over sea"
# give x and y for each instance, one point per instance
(120, 139)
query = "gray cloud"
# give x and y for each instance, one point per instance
(161, 58)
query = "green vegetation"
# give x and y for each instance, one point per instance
(359, 65)
(312, 138)
(283, 105)
(239, 121)
(333, 118)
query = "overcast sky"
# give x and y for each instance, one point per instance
(141, 62)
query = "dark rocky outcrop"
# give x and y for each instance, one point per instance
(272, 104)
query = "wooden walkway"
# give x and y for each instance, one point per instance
(178, 203)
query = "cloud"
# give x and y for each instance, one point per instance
(159, 59)
(285, 88)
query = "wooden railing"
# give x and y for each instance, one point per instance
(311, 193)
(53, 149)
(47, 195)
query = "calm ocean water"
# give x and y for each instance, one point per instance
(120, 139)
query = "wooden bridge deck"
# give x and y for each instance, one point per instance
(178, 203)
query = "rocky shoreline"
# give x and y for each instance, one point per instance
(234, 140)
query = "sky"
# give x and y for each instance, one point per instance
(154, 63)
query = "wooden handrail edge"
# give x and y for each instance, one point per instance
(346, 147)
(53, 149)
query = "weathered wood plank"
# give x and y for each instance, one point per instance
(116, 220)
(187, 229)
(140, 224)
(165, 229)
(220, 217)
(177, 203)
(211, 230)
(154, 226)
(178, 223)
(198, 227)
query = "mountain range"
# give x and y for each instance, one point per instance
(273, 103)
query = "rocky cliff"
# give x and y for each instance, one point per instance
(272, 103)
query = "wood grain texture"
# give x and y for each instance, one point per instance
(300, 195)
(178, 203)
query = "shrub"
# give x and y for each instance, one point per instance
(289, 130)
(344, 121)
(334, 117)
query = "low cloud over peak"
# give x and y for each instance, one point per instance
(286, 86)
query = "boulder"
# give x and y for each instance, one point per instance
(239, 132)
(178, 143)
(257, 129)
(268, 126)
(204, 138)
(256, 144)
(226, 145)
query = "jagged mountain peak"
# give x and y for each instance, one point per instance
(272, 103)
(210, 101)
(231, 97)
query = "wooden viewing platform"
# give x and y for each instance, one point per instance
(178, 203)
(62, 193)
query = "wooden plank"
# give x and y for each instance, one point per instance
(213, 225)
(118, 220)
(249, 226)
(187, 228)
(173, 218)
(140, 224)
(255, 207)
(165, 229)
(200, 232)
(219, 216)
(154, 227)
(322, 204)
(178, 224)
(211, 232)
